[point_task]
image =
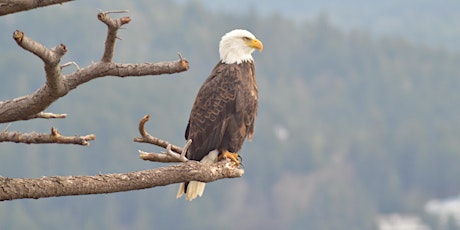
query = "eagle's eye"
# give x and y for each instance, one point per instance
(246, 38)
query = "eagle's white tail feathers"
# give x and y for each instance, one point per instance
(196, 188)
(180, 192)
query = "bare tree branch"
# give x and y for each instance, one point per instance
(157, 157)
(14, 6)
(147, 138)
(166, 157)
(173, 153)
(113, 26)
(45, 138)
(36, 188)
(58, 85)
(50, 57)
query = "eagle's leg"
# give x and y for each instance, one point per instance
(232, 156)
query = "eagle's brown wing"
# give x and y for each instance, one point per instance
(224, 110)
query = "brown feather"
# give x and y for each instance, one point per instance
(224, 110)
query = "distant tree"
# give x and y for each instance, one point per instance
(58, 85)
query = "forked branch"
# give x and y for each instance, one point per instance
(113, 25)
(173, 153)
(58, 85)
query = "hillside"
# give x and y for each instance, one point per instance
(350, 126)
(425, 22)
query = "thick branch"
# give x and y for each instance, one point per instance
(11, 189)
(14, 6)
(45, 138)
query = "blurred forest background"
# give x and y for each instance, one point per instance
(358, 123)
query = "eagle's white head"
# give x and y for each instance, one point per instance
(236, 46)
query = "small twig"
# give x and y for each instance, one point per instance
(181, 157)
(184, 63)
(70, 63)
(7, 127)
(185, 149)
(157, 157)
(147, 138)
(166, 157)
(112, 11)
(48, 115)
(180, 56)
(173, 153)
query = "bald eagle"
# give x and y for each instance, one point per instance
(225, 107)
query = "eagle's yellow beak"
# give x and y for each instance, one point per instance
(256, 44)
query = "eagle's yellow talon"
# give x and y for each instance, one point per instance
(232, 156)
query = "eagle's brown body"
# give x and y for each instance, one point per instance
(224, 110)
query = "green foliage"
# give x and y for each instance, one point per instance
(349, 126)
